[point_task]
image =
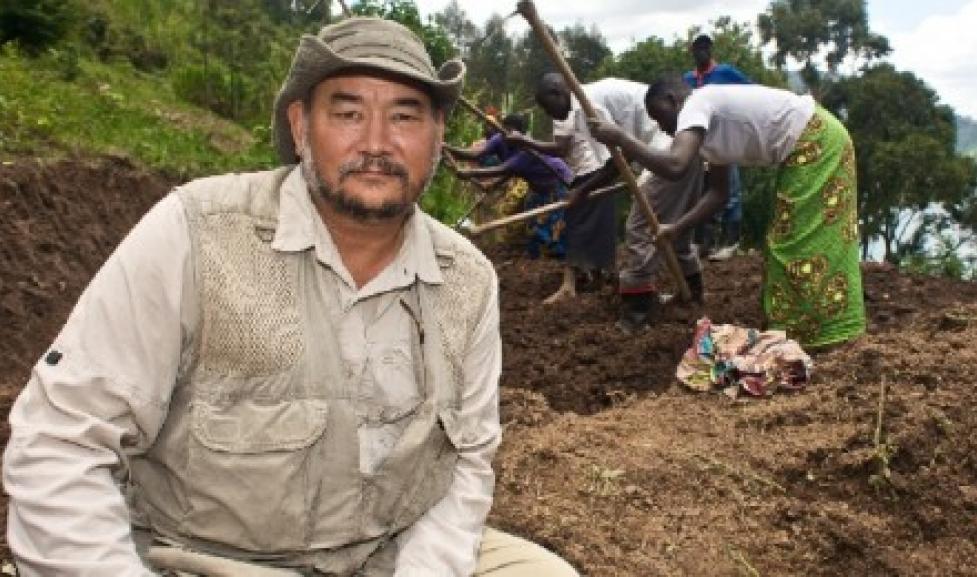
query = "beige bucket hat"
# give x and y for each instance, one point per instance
(369, 43)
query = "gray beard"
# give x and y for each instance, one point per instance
(351, 206)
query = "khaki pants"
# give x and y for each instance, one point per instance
(505, 555)
(501, 555)
(669, 200)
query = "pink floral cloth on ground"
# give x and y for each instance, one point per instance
(736, 359)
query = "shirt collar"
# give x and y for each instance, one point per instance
(296, 227)
(300, 228)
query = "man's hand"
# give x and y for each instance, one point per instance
(606, 132)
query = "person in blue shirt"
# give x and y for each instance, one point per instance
(729, 220)
(707, 70)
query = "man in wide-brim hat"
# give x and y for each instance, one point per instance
(291, 372)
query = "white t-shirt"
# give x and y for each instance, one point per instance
(615, 100)
(749, 125)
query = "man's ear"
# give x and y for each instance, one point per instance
(440, 121)
(296, 121)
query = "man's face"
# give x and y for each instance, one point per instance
(702, 54)
(664, 110)
(369, 144)
(555, 102)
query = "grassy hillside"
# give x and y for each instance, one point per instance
(181, 86)
(178, 85)
(54, 104)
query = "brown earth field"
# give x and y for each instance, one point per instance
(606, 458)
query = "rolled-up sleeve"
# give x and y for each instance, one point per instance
(96, 396)
(445, 540)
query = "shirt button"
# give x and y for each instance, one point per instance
(53, 357)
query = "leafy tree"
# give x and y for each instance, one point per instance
(806, 29)
(532, 62)
(435, 39)
(585, 50)
(461, 31)
(490, 62)
(299, 12)
(905, 150)
(647, 60)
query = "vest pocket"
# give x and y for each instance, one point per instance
(248, 469)
(249, 427)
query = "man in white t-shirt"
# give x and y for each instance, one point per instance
(812, 281)
(591, 223)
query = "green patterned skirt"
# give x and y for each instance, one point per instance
(812, 281)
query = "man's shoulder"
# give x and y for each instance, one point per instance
(730, 74)
(727, 66)
(255, 193)
(450, 247)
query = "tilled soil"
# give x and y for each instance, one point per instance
(606, 458)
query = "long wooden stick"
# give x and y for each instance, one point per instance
(539, 210)
(528, 11)
(496, 125)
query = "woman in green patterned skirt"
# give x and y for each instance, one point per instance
(812, 282)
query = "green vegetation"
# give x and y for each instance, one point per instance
(810, 30)
(907, 163)
(115, 110)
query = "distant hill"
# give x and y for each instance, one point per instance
(966, 135)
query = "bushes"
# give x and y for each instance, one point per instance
(36, 25)
(210, 87)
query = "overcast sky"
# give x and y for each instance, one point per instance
(935, 39)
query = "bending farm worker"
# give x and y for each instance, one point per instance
(812, 282)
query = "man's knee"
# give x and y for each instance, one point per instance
(505, 555)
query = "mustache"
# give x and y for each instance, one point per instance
(377, 163)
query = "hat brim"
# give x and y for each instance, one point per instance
(314, 62)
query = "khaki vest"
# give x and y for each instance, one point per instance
(258, 458)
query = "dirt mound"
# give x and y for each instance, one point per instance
(605, 458)
(60, 222)
(611, 462)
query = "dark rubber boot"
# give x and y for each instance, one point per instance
(636, 311)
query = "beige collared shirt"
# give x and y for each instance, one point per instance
(103, 394)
